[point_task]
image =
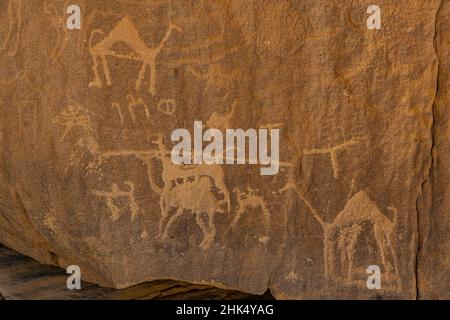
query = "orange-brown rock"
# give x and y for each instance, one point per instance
(86, 117)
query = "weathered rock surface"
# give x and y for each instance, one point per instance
(434, 253)
(86, 118)
(23, 278)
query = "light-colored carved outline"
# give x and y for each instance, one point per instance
(116, 193)
(126, 32)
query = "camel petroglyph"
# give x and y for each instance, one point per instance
(126, 32)
(195, 197)
(189, 189)
(343, 233)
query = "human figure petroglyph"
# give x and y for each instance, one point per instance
(333, 151)
(78, 119)
(76, 116)
(250, 200)
(115, 194)
(346, 229)
(126, 32)
(13, 36)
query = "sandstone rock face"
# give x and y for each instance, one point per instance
(87, 115)
(434, 258)
(25, 279)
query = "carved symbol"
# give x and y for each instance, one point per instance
(333, 153)
(167, 106)
(115, 194)
(136, 102)
(126, 32)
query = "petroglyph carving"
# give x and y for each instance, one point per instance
(136, 102)
(346, 229)
(250, 200)
(77, 117)
(12, 40)
(187, 188)
(116, 194)
(126, 32)
(118, 107)
(50, 221)
(165, 106)
(192, 196)
(333, 151)
(173, 173)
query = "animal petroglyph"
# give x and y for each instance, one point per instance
(346, 229)
(116, 194)
(332, 151)
(126, 32)
(250, 200)
(195, 197)
(12, 40)
(187, 188)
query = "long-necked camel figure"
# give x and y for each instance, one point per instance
(188, 189)
(126, 32)
(347, 228)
